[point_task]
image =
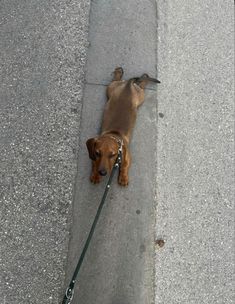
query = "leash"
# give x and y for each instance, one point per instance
(70, 290)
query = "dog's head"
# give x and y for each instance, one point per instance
(104, 151)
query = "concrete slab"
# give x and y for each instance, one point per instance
(195, 176)
(119, 267)
(43, 52)
(122, 33)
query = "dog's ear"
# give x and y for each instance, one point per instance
(91, 147)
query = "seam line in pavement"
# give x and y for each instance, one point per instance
(105, 85)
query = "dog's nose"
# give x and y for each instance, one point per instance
(102, 172)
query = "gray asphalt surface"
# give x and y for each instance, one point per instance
(43, 52)
(195, 148)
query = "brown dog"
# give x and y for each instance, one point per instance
(124, 98)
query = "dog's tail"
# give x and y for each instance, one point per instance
(143, 80)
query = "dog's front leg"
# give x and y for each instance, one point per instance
(95, 178)
(123, 178)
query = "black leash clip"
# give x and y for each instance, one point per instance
(68, 296)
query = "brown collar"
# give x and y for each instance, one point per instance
(117, 139)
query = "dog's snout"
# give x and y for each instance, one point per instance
(102, 172)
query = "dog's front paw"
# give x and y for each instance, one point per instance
(123, 180)
(95, 178)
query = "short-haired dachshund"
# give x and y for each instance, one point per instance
(123, 99)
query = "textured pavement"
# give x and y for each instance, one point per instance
(43, 52)
(182, 176)
(195, 149)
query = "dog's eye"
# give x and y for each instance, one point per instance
(97, 153)
(112, 155)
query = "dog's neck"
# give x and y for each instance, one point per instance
(116, 136)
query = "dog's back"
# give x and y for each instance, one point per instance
(121, 109)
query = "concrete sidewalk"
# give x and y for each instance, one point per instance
(195, 149)
(119, 266)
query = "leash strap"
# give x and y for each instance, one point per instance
(70, 290)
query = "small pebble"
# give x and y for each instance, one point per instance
(160, 243)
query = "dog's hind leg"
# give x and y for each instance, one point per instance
(116, 81)
(117, 74)
(144, 80)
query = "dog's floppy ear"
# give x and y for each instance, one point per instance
(91, 147)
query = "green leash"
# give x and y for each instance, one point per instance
(70, 290)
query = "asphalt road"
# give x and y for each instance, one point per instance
(195, 149)
(43, 51)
